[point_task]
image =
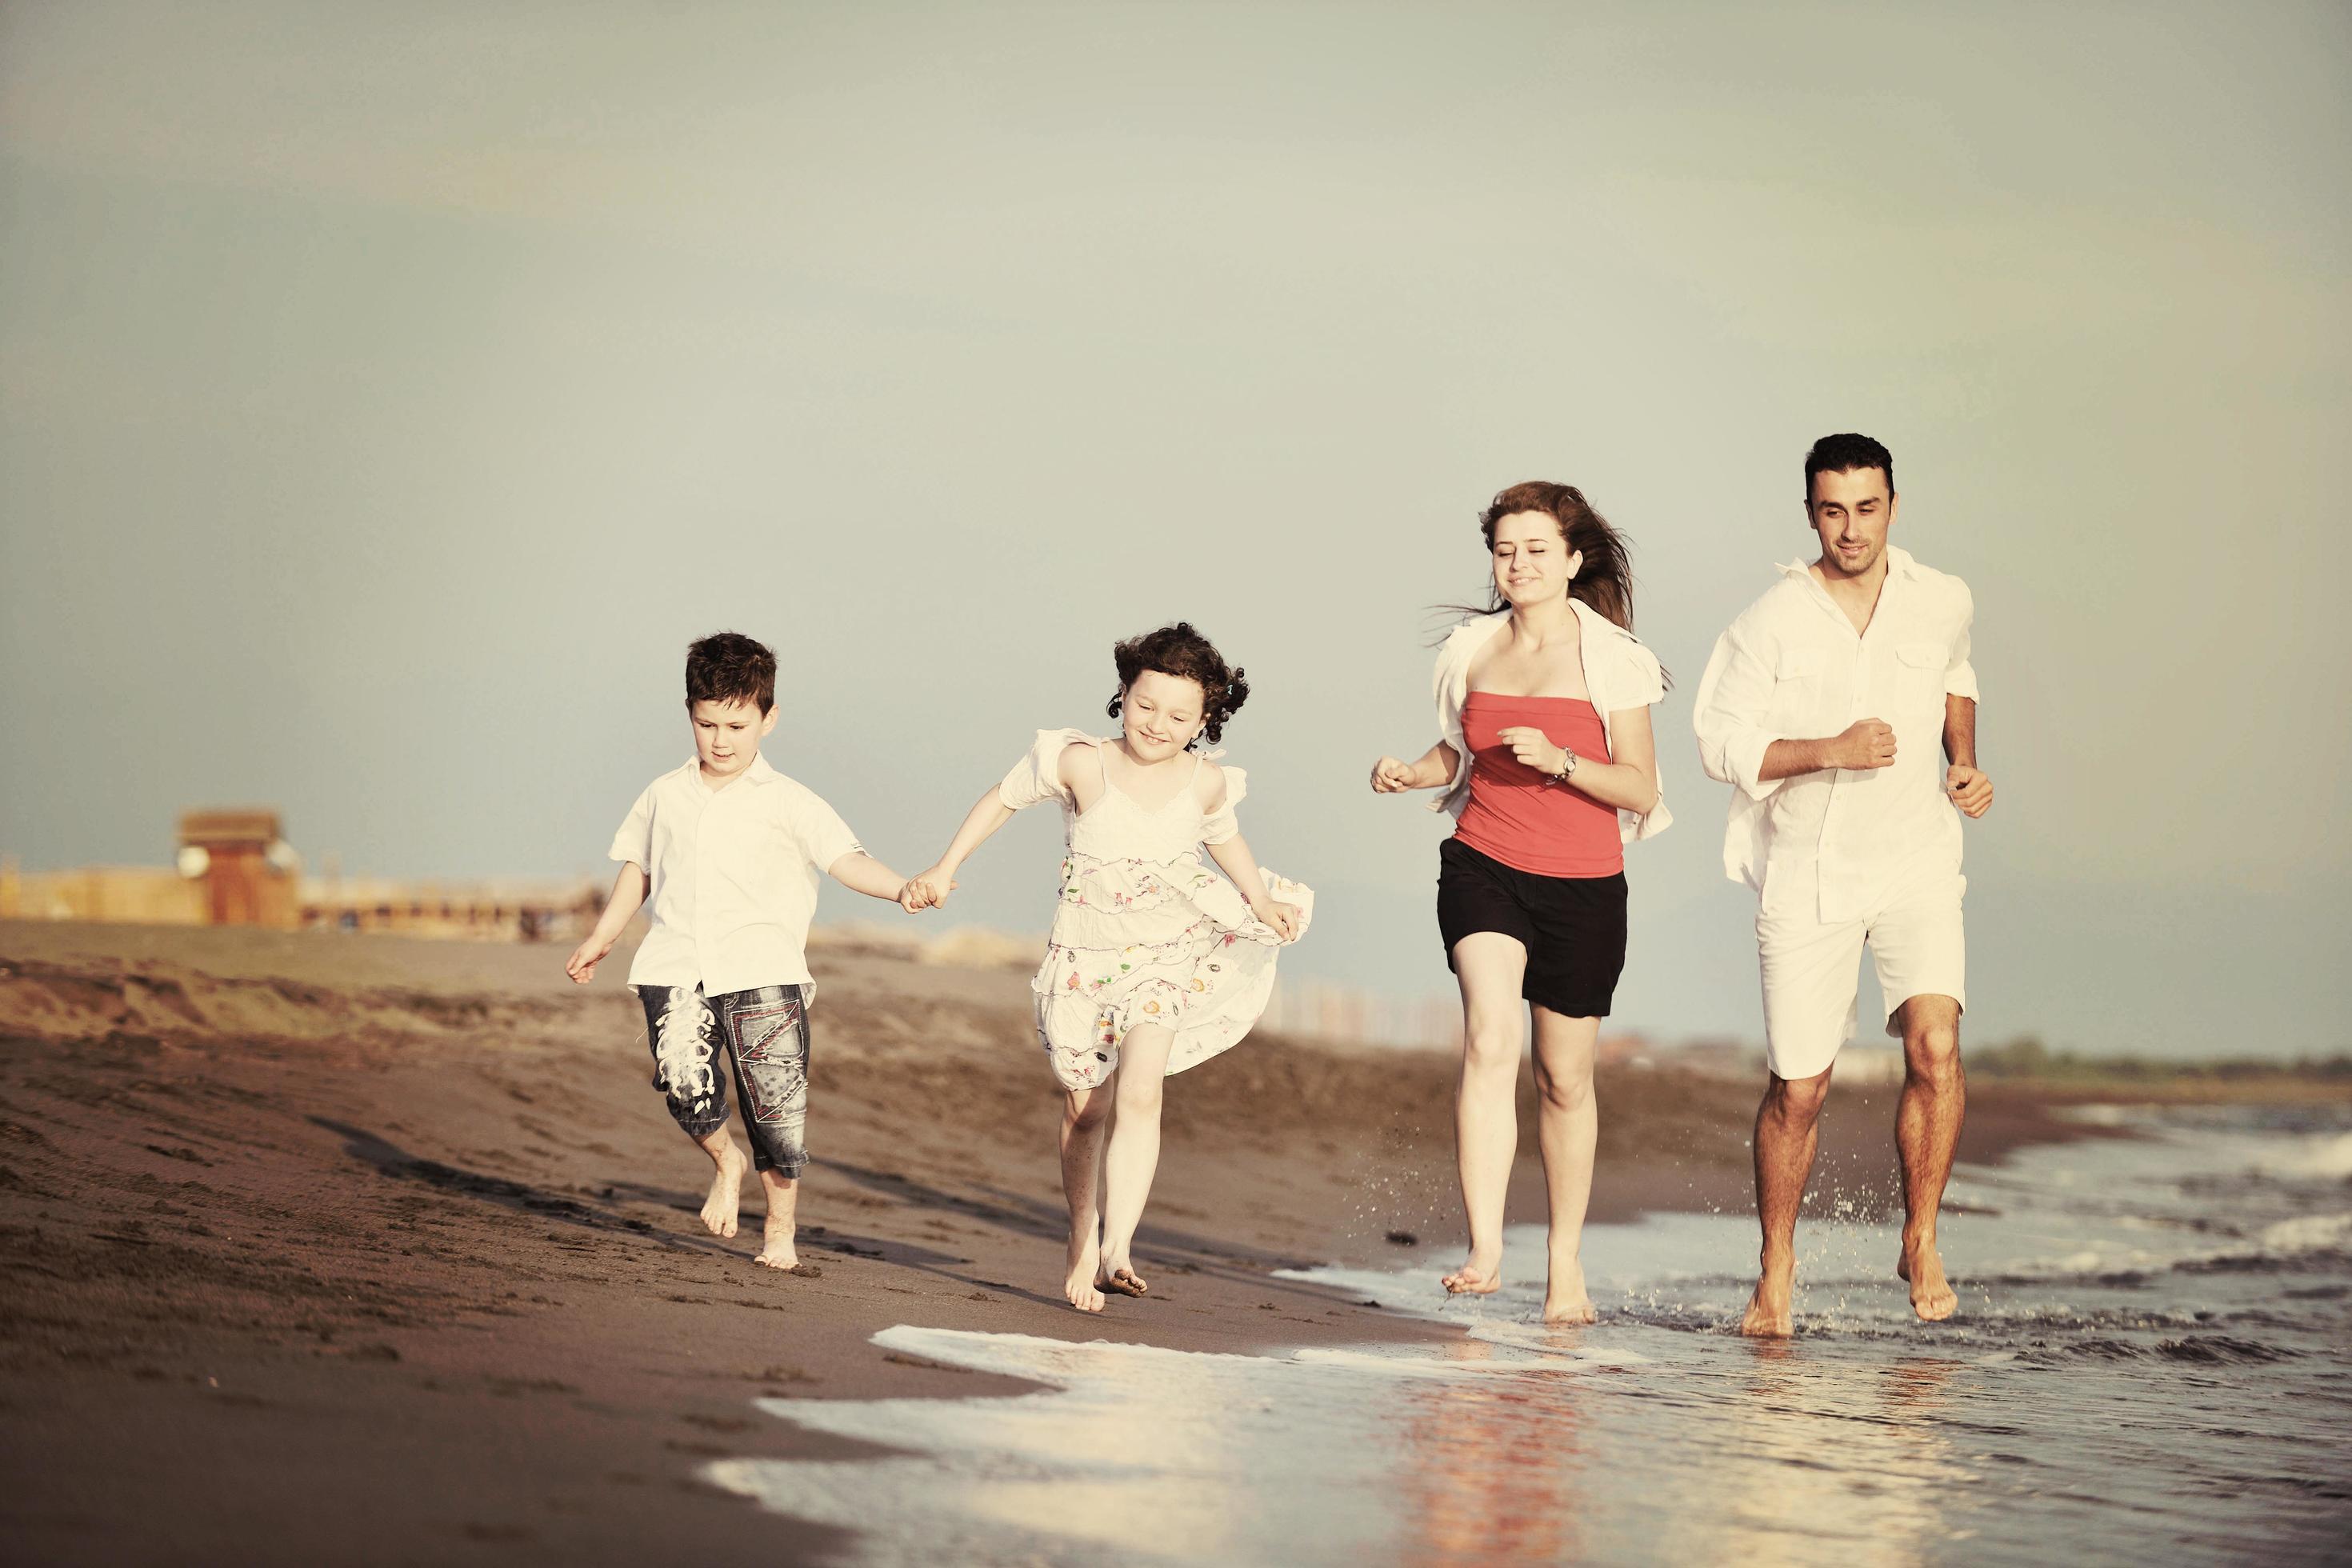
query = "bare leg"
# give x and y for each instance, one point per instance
(1489, 966)
(1084, 1111)
(1567, 1125)
(1788, 1130)
(784, 1201)
(1926, 1132)
(1132, 1157)
(720, 1209)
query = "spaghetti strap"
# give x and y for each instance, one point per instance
(1103, 761)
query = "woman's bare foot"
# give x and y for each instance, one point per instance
(1932, 1296)
(720, 1209)
(1476, 1276)
(1767, 1315)
(783, 1194)
(1565, 1297)
(1078, 1285)
(1117, 1275)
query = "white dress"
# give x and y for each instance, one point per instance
(1147, 931)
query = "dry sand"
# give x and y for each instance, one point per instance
(329, 1248)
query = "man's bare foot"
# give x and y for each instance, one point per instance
(1565, 1297)
(718, 1210)
(1117, 1275)
(1767, 1315)
(1932, 1296)
(1476, 1276)
(1078, 1285)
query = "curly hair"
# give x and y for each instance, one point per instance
(1181, 651)
(728, 666)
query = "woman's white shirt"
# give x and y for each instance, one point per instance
(1619, 674)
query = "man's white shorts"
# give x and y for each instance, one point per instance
(1813, 972)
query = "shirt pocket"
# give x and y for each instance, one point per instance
(1919, 678)
(1796, 688)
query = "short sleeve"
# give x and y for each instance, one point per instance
(1223, 823)
(824, 837)
(1037, 777)
(1959, 675)
(1642, 680)
(634, 841)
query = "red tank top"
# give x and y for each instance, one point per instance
(1520, 816)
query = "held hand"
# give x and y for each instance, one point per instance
(581, 965)
(926, 890)
(1281, 917)
(1866, 743)
(1969, 790)
(1533, 748)
(1390, 776)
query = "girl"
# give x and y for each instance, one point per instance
(1546, 698)
(1155, 962)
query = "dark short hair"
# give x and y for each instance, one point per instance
(728, 666)
(1844, 453)
(1181, 651)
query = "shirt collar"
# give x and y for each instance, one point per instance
(1899, 563)
(759, 773)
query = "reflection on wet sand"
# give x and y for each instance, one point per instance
(1825, 1450)
(1493, 1470)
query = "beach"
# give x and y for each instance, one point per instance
(376, 1249)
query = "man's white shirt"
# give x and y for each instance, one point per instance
(734, 876)
(1836, 843)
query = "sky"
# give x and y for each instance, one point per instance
(388, 395)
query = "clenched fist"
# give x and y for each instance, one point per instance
(1390, 776)
(1969, 790)
(1531, 748)
(1866, 743)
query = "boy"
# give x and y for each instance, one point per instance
(731, 851)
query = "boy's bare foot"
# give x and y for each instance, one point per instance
(1476, 1276)
(1121, 1278)
(1565, 1297)
(784, 1195)
(1768, 1316)
(1078, 1285)
(718, 1210)
(1932, 1296)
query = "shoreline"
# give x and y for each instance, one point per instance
(358, 1248)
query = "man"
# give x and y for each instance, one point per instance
(1823, 707)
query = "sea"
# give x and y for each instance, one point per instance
(2152, 1361)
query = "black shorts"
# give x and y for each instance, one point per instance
(1573, 927)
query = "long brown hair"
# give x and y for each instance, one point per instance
(1605, 580)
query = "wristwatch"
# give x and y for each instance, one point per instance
(1566, 769)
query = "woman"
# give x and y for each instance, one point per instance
(1550, 768)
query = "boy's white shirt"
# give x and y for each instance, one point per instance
(1619, 673)
(734, 875)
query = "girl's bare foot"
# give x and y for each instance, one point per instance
(718, 1210)
(1476, 1276)
(1565, 1297)
(1078, 1285)
(1768, 1316)
(1932, 1296)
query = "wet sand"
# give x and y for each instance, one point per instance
(370, 1249)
